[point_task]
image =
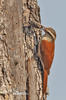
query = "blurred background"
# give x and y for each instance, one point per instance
(53, 13)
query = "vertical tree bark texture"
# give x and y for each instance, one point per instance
(20, 70)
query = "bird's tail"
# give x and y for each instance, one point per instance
(45, 79)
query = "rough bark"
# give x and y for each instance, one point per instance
(20, 70)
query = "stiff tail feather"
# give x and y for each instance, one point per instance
(45, 79)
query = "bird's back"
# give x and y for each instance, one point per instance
(47, 52)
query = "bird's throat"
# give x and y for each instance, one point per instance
(48, 38)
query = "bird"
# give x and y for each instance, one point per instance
(46, 53)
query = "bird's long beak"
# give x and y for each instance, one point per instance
(43, 27)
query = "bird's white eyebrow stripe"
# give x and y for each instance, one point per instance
(51, 34)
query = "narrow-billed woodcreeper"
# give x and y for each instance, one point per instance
(47, 47)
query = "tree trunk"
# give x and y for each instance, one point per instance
(20, 69)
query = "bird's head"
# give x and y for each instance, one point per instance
(50, 33)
